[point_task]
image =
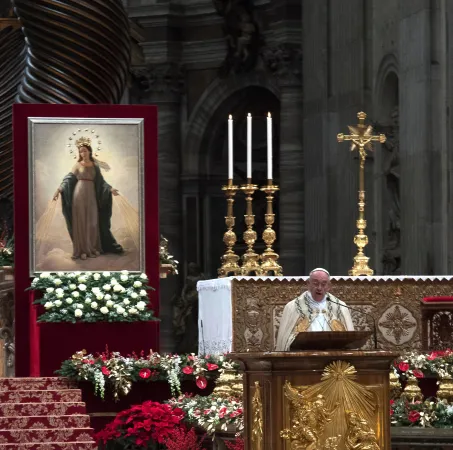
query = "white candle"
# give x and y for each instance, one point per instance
(269, 146)
(249, 146)
(230, 147)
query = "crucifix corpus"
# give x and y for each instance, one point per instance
(361, 137)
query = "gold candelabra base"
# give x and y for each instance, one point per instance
(230, 260)
(361, 267)
(269, 258)
(251, 260)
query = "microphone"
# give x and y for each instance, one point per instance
(361, 312)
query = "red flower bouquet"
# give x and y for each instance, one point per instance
(146, 426)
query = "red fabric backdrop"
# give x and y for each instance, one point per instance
(24, 320)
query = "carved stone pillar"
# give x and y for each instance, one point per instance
(285, 61)
(160, 84)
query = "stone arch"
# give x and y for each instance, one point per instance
(388, 167)
(386, 88)
(216, 94)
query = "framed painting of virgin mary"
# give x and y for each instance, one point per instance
(86, 183)
(82, 203)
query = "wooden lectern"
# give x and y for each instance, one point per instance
(316, 400)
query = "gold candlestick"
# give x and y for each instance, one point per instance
(229, 260)
(269, 259)
(361, 137)
(251, 261)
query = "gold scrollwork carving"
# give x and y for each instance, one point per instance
(257, 419)
(328, 414)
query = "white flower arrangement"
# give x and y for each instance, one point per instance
(93, 297)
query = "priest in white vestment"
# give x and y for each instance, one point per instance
(314, 310)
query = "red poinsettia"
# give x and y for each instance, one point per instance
(184, 440)
(238, 444)
(142, 425)
(413, 416)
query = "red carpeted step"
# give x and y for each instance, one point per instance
(35, 384)
(51, 446)
(30, 422)
(46, 396)
(45, 435)
(41, 409)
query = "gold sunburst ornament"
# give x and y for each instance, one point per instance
(83, 137)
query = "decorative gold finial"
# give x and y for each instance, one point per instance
(361, 138)
(83, 142)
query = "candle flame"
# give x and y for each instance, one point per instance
(249, 115)
(230, 117)
(269, 115)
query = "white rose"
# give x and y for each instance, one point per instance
(60, 274)
(125, 313)
(143, 276)
(60, 295)
(106, 274)
(57, 302)
(35, 280)
(141, 306)
(120, 310)
(143, 293)
(50, 290)
(69, 301)
(134, 295)
(99, 297)
(109, 303)
(48, 305)
(79, 305)
(82, 287)
(59, 291)
(124, 277)
(133, 311)
(137, 284)
(57, 282)
(118, 288)
(72, 287)
(82, 279)
(107, 297)
(78, 313)
(95, 290)
(96, 276)
(104, 310)
(94, 305)
(125, 272)
(113, 281)
(45, 275)
(106, 287)
(126, 301)
(75, 294)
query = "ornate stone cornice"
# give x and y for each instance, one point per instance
(284, 61)
(160, 78)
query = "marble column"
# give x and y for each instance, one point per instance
(415, 133)
(162, 86)
(288, 70)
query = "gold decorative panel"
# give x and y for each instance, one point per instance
(393, 303)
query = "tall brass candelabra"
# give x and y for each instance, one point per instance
(230, 260)
(251, 260)
(269, 259)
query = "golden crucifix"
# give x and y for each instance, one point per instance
(361, 138)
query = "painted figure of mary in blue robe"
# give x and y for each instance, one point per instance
(86, 200)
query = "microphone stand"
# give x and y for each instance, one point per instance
(361, 312)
